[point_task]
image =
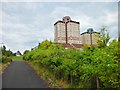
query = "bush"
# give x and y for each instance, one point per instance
(6, 59)
(81, 68)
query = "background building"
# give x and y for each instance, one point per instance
(88, 38)
(67, 31)
(18, 53)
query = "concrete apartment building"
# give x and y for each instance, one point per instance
(67, 33)
(86, 40)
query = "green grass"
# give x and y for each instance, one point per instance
(17, 58)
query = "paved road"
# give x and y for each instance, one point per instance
(20, 75)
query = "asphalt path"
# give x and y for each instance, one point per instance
(19, 74)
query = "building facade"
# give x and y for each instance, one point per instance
(89, 39)
(67, 31)
(18, 53)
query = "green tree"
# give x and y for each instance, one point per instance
(104, 37)
(6, 54)
(26, 51)
(45, 44)
(3, 48)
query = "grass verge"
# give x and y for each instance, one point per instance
(17, 58)
(48, 77)
(3, 67)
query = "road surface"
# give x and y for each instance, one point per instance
(19, 74)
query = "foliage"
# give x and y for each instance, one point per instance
(26, 51)
(45, 44)
(6, 52)
(104, 37)
(6, 59)
(93, 67)
(6, 55)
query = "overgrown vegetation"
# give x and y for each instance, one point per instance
(5, 58)
(5, 55)
(93, 67)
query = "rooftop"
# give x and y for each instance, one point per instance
(89, 33)
(66, 19)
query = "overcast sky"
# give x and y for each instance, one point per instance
(25, 24)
